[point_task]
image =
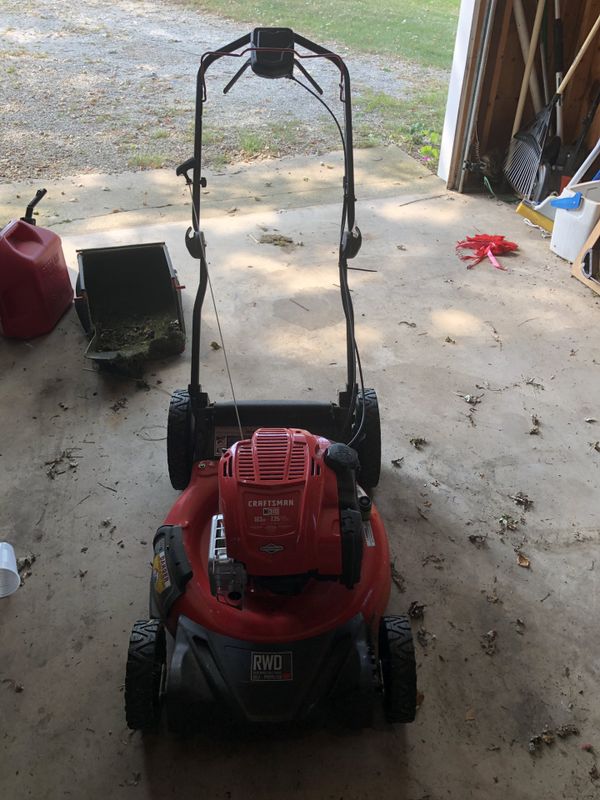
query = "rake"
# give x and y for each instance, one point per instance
(527, 145)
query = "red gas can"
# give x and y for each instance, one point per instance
(35, 289)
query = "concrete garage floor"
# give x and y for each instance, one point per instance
(430, 332)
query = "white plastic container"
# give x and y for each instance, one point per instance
(572, 227)
(9, 575)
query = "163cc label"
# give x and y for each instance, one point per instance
(271, 666)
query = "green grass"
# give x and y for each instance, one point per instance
(414, 123)
(272, 141)
(217, 160)
(175, 111)
(211, 134)
(221, 147)
(252, 143)
(415, 30)
(425, 110)
(146, 161)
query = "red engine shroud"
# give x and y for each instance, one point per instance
(266, 617)
(279, 502)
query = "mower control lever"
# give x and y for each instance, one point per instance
(246, 64)
(237, 76)
(308, 76)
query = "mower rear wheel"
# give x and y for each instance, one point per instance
(369, 446)
(180, 439)
(398, 669)
(146, 660)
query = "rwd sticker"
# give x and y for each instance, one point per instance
(271, 667)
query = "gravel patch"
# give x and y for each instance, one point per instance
(97, 87)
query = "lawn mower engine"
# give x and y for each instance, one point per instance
(271, 576)
(289, 512)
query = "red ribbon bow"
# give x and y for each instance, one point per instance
(485, 245)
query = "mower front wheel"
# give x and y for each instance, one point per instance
(146, 662)
(180, 439)
(398, 669)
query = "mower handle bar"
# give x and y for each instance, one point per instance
(317, 52)
(350, 239)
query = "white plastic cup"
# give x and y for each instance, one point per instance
(10, 579)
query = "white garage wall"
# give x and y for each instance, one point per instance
(459, 61)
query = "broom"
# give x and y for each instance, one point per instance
(526, 147)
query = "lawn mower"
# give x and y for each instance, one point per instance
(271, 573)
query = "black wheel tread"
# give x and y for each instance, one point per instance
(369, 448)
(397, 656)
(145, 661)
(179, 439)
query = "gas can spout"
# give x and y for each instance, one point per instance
(29, 211)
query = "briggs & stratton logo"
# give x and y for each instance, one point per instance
(271, 548)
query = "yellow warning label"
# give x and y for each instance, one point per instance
(160, 572)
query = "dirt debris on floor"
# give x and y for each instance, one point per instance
(488, 642)
(508, 523)
(13, 684)
(522, 500)
(416, 610)
(477, 539)
(549, 735)
(24, 566)
(278, 240)
(65, 462)
(397, 578)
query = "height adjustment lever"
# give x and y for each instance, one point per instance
(183, 169)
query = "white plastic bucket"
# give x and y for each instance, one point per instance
(572, 227)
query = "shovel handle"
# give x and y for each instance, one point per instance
(579, 56)
(533, 43)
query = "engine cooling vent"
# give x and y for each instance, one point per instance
(272, 455)
(245, 462)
